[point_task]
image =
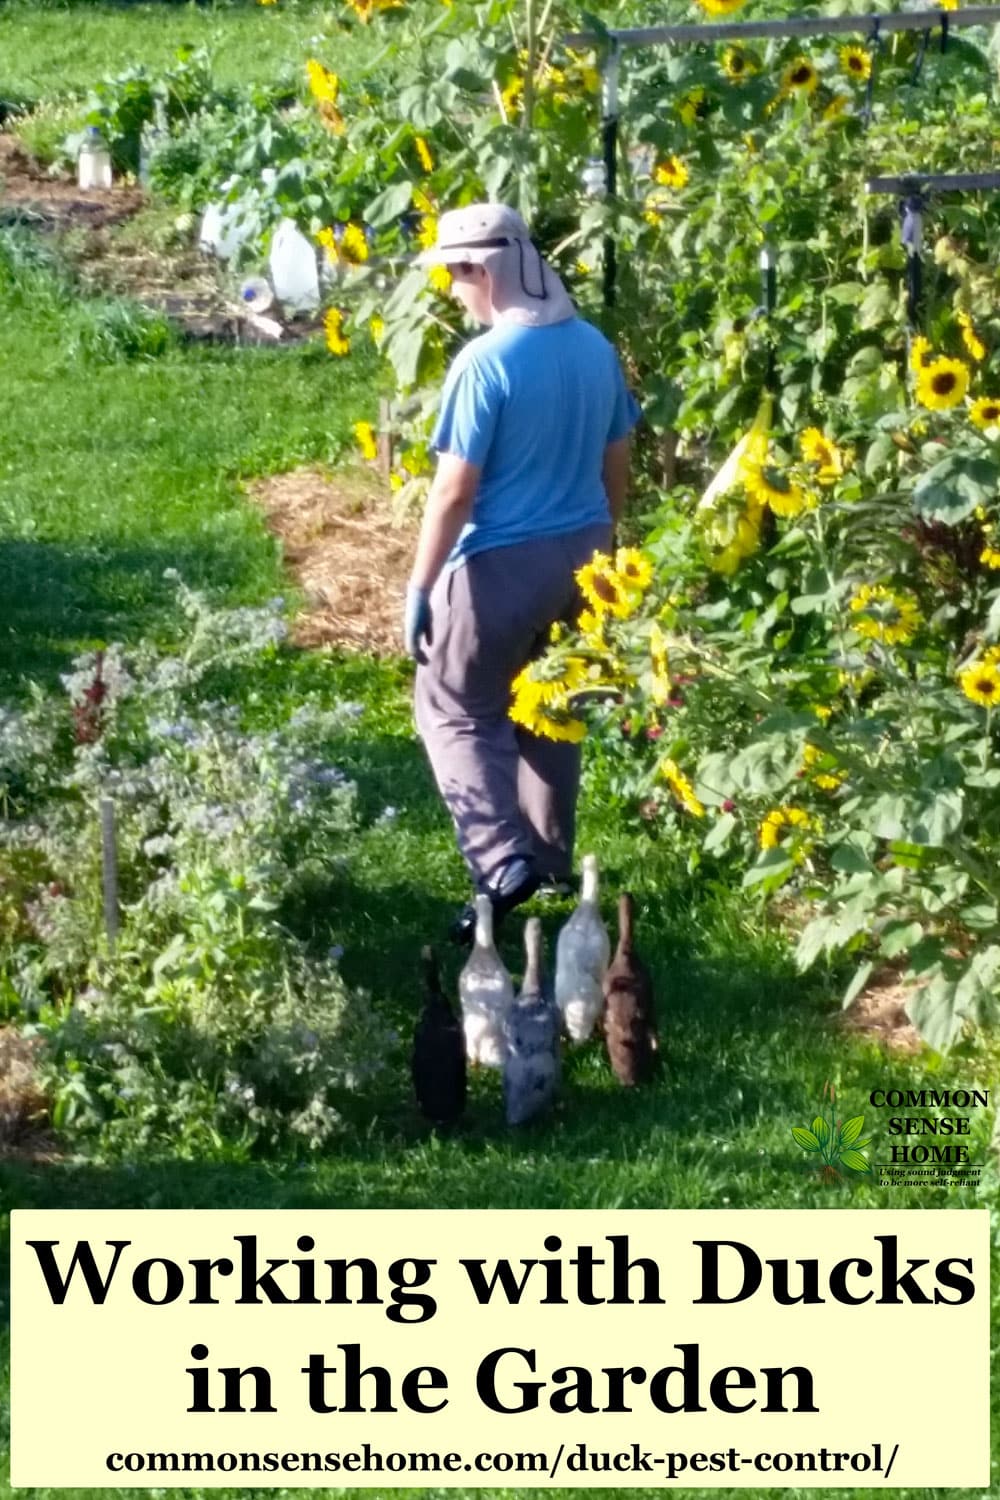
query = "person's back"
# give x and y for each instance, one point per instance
(535, 409)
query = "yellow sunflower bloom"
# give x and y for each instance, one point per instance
(590, 624)
(990, 557)
(328, 240)
(942, 384)
(634, 568)
(353, 246)
(671, 173)
(785, 820)
(738, 64)
(424, 153)
(771, 487)
(681, 787)
(333, 326)
(981, 683)
(800, 77)
(985, 412)
(884, 615)
(376, 327)
(364, 432)
(604, 591)
(920, 353)
(439, 278)
(720, 7)
(323, 85)
(827, 780)
(974, 346)
(820, 450)
(694, 105)
(856, 63)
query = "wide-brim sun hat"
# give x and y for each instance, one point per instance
(525, 288)
(474, 233)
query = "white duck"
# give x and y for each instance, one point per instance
(531, 1067)
(486, 991)
(582, 952)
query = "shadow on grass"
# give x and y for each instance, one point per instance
(56, 601)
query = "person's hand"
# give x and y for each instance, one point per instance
(417, 621)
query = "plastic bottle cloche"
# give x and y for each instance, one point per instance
(94, 161)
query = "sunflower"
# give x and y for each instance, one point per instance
(787, 819)
(671, 173)
(884, 615)
(603, 589)
(693, 106)
(800, 77)
(364, 432)
(943, 383)
(439, 278)
(376, 327)
(856, 63)
(981, 683)
(920, 353)
(990, 557)
(974, 346)
(590, 624)
(512, 94)
(812, 758)
(634, 568)
(353, 245)
(423, 153)
(333, 325)
(541, 705)
(681, 787)
(772, 487)
(328, 240)
(720, 7)
(985, 412)
(820, 450)
(738, 64)
(323, 85)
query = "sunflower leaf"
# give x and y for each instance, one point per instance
(953, 488)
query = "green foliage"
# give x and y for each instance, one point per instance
(204, 1020)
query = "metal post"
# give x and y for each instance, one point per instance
(109, 869)
(609, 147)
(768, 300)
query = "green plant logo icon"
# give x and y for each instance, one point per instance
(836, 1143)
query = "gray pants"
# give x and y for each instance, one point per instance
(511, 793)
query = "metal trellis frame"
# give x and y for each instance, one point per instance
(873, 26)
(911, 192)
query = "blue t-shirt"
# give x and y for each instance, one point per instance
(534, 408)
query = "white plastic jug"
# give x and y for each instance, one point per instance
(219, 234)
(93, 166)
(294, 269)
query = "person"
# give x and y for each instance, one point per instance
(532, 441)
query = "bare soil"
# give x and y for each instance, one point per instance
(24, 1109)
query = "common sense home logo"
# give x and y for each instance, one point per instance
(836, 1144)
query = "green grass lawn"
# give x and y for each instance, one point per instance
(52, 52)
(110, 472)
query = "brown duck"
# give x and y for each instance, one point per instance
(438, 1062)
(629, 1014)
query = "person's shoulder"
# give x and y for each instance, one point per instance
(590, 335)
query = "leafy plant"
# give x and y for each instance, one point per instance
(836, 1143)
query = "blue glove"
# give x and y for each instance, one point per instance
(417, 621)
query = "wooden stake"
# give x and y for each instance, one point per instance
(109, 869)
(385, 438)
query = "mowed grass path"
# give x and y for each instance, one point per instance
(109, 473)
